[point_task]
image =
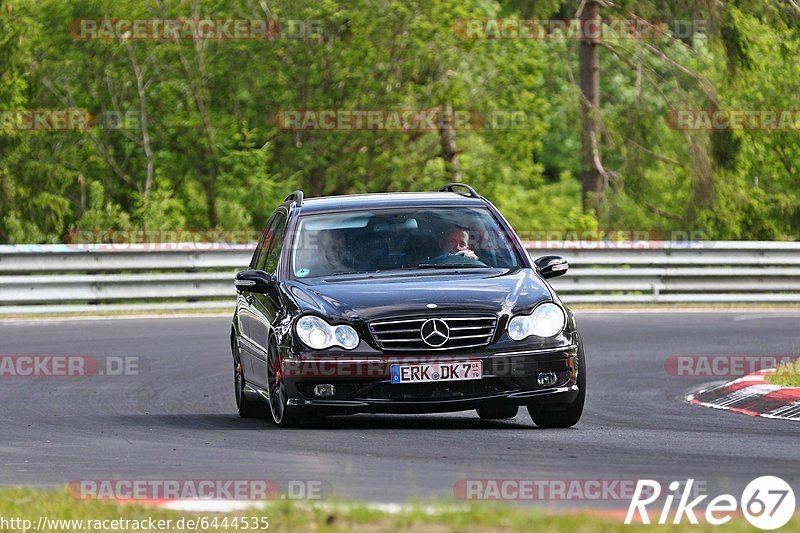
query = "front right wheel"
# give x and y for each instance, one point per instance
(276, 389)
(283, 414)
(563, 415)
(245, 407)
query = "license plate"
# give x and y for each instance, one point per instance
(427, 372)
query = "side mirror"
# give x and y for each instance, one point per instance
(255, 281)
(550, 266)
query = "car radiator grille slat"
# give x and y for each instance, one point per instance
(465, 332)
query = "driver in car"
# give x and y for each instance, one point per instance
(458, 243)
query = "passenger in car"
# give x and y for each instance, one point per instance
(332, 255)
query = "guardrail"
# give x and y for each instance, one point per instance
(65, 278)
(677, 272)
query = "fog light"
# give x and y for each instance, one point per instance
(325, 390)
(547, 379)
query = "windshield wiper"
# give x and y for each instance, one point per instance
(450, 265)
(352, 273)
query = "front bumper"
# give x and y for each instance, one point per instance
(363, 383)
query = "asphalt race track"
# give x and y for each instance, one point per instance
(176, 419)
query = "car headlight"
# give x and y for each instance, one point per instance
(319, 335)
(546, 320)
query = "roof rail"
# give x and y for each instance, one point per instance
(470, 191)
(296, 196)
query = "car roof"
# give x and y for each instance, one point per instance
(385, 200)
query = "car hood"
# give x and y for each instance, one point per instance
(369, 298)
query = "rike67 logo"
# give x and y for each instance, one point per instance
(767, 502)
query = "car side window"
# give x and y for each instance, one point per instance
(263, 244)
(268, 261)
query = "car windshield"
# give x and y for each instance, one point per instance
(382, 240)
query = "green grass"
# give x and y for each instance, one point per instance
(344, 517)
(786, 375)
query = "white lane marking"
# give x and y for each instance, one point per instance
(763, 316)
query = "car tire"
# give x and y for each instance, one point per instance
(498, 412)
(563, 415)
(283, 415)
(245, 407)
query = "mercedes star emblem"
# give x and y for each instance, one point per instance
(435, 332)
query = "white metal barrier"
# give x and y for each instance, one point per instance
(65, 278)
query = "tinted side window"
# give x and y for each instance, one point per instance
(268, 261)
(263, 244)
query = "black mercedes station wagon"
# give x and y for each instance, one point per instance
(402, 303)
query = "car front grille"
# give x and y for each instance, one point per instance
(406, 334)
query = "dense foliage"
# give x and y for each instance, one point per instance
(198, 146)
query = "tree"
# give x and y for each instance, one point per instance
(591, 178)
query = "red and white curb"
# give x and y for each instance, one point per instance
(199, 505)
(206, 506)
(751, 395)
